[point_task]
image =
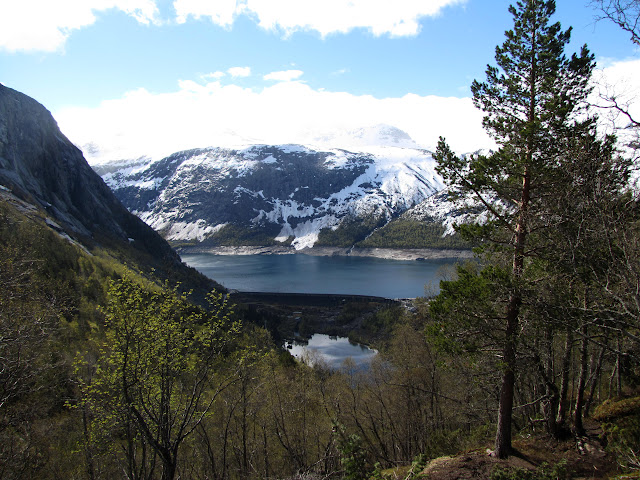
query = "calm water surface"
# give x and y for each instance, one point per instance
(332, 350)
(330, 275)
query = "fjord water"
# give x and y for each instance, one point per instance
(340, 275)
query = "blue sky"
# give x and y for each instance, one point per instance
(136, 77)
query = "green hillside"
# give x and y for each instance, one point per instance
(402, 233)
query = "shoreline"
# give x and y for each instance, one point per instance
(416, 254)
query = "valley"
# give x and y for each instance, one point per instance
(152, 305)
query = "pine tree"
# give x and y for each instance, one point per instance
(531, 99)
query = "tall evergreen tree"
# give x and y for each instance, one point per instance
(531, 99)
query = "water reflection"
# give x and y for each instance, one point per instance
(332, 350)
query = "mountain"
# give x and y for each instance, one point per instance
(363, 139)
(290, 194)
(40, 167)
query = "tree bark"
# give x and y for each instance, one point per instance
(564, 386)
(582, 378)
(594, 384)
(551, 390)
(505, 409)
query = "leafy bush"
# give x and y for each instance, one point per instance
(616, 408)
(623, 441)
(353, 456)
(235, 235)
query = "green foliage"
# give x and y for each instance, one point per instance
(353, 457)
(152, 379)
(380, 324)
(466, 311)
(543, 472)
(622, 432)
(269, 416)
(351, 311)
(401, 233)
(235, 235)
(614, 408)
(40, 292)
(350, 232)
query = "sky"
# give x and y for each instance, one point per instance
(131, 78)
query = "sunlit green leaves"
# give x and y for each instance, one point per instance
(155, 380)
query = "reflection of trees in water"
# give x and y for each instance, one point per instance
(331, 351)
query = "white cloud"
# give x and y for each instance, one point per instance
(284, 76)
(397, 18)
(221, 12)
(617, 84)
(212, 114)
(196, 115)
(236, 72)
(45, 25)
(212, 76)
(619, 80)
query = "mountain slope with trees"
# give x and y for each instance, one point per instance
(40, 166)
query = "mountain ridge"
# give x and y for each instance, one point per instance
(275, 194)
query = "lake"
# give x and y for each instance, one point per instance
(332, 350)
(340, 275)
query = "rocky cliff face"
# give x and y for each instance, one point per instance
(39, 164)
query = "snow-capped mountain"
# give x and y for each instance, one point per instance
(277, 193)
(367, 139)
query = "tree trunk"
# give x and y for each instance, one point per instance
(168, 470)
(594, 384)
(505, 409)
(619, 367)
(551, 390)
(88, 451)
(564, 386)
(577, 416)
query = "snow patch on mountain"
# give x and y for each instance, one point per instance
(449, 210)
(198, 230)
(283, 210)
(306, 234)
